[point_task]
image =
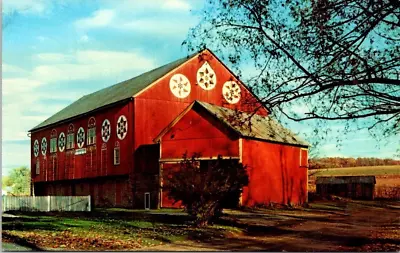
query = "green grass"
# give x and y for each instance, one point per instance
(325, 206)
(124, 226)
(93, 227)
(359, 171)
(13, 247)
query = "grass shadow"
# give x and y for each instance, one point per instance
(20, 241)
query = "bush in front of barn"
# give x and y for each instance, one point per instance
(204, 188)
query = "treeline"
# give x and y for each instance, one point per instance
(339, 162)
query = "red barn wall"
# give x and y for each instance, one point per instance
(198, 132)
(102, 160)
(106, 191)
(275, 174)
(156, 106)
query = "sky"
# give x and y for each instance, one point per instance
(54, 52)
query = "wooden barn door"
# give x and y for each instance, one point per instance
(166, 170)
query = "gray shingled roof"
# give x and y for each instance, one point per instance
(110, 95)
(346, 180)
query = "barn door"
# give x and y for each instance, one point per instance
(147, 201)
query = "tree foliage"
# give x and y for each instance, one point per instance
(19, 180)
(204, 187)
(336, 60)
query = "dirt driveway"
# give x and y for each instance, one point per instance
(324, 226)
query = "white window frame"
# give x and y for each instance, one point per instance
(91, 136)
(301, 151)
(70, 145)
(117, 160)
(37, 166)
(53, 145)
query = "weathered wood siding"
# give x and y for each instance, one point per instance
(46, 203)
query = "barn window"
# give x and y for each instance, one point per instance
(37, 167)
(117, 154)
(91, 137)
(303, 157)
(71, 137)
(53, 145)
(53, 141)
(70, 141)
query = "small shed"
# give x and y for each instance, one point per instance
(355, 187)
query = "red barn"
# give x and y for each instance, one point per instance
(114, 144)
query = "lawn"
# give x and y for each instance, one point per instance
(104, 229)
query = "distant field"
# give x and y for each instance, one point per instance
(357, 171)
(387, 178)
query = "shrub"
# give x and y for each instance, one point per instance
(204, 187)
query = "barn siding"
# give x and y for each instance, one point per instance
(156, 106)
(160, 89)
(200, 134)
(107, 191)
(71, 166)
(275, 174)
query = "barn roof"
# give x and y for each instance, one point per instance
(116, 93)
(255, 126)
(346, 180)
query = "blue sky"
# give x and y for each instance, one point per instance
(54, 52)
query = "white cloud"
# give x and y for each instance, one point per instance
(26, 6)
(137, 6)
(154, 26)
(84, 38)
(7, 68)
(53, 57)
(23, 101)
(42, 38)
(91, 64)
(16, 85)
(176, 5)
(99, 18)
(132, 16)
